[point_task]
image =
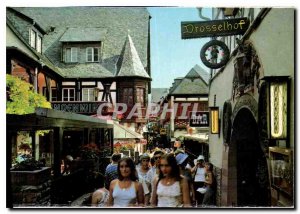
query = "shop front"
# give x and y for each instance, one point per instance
(43, 180)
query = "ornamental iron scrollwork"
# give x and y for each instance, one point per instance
(214, 54)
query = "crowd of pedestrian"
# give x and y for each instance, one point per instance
(163, 178)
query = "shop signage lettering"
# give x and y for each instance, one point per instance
(82, 107)
(199, 119)
(224, 27)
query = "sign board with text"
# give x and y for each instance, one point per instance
(224, 27)
(199, 119)
(77, 107)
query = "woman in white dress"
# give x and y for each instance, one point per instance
(126, 191)
(170, 188)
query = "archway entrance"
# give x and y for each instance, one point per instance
(251, 166)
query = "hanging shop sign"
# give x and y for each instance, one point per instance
(224, 27)
(77, 107)
(199, 119)
(214, 54)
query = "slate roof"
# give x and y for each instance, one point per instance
(157, 94)
(88, 34)
(195, 82)
(197, 71)
(129, 63)
(188, 86)
(175, 84)
(87, 70)
(32, 21)
(115, 20)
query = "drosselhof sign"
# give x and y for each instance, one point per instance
(224, 27)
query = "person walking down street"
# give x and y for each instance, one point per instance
(101, 195)
(126, 191)
(209, 195)
(143, 179)
(171, 189)
(111, 171)
(154, 171)
(199, 178)
(182, 161)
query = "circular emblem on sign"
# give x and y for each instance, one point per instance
(227, 111)
(214, 54)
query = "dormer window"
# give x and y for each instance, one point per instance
(92, 54)
(35, 40)
(71, 55)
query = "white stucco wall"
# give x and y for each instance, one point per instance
(221, 87)
(274, 42)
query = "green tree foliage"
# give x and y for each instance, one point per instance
(21, 97)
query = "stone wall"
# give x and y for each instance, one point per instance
(31, 188)
(218, 179)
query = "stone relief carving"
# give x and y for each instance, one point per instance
(246, 101)
(246, 69)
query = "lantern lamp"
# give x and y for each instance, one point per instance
(214, 121)
(278, 88)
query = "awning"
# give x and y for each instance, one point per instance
(44, 118)
(201, 138)
(121, 132)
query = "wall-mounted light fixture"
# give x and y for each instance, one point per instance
(278, 87)
(214, 121)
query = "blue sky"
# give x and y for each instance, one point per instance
(171, 56)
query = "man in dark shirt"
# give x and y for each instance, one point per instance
(111, 171)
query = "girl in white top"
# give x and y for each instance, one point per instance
(170, 189)
(126, 191)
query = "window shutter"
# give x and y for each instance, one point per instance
(89, 54)
(68, 55)
(74, 55)
(63, 54)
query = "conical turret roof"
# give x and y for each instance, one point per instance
(129, 63)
